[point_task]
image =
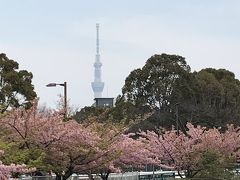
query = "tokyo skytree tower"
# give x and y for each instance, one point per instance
(97, 85)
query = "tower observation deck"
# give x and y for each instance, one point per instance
(97, 85)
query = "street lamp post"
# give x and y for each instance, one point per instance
(65, 94)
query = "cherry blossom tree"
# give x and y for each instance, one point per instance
(67, 146)
(184, 151)
(118, 150)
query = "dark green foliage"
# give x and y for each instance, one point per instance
(16, 87)
(127, 111)
(215, 166)
(14, 154)
(215, 100)
(87, 113)
(153, 84)
(158, 88)
(165, 87)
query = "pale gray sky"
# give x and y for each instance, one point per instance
(55, 39)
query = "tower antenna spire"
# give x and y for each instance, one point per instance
(97, 39)
(97, 85)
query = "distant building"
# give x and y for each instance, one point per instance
(97, 85)
(103, 102)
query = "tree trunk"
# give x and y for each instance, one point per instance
(179, 174)
(90, 176)
(67, 174)
(58, 176)
(63, 176)
(104, 175)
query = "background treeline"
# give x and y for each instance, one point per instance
(167, 89)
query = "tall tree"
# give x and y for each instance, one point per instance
(153, 87)
(16, 87)
(166, 87)
(154, 83)
(214, 99)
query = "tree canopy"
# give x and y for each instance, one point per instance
(16, 87)
(157, 88)
(154, 84)
(49, 143)
(45, 141)
(216, 99)
(196, 151)
(166, 87)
